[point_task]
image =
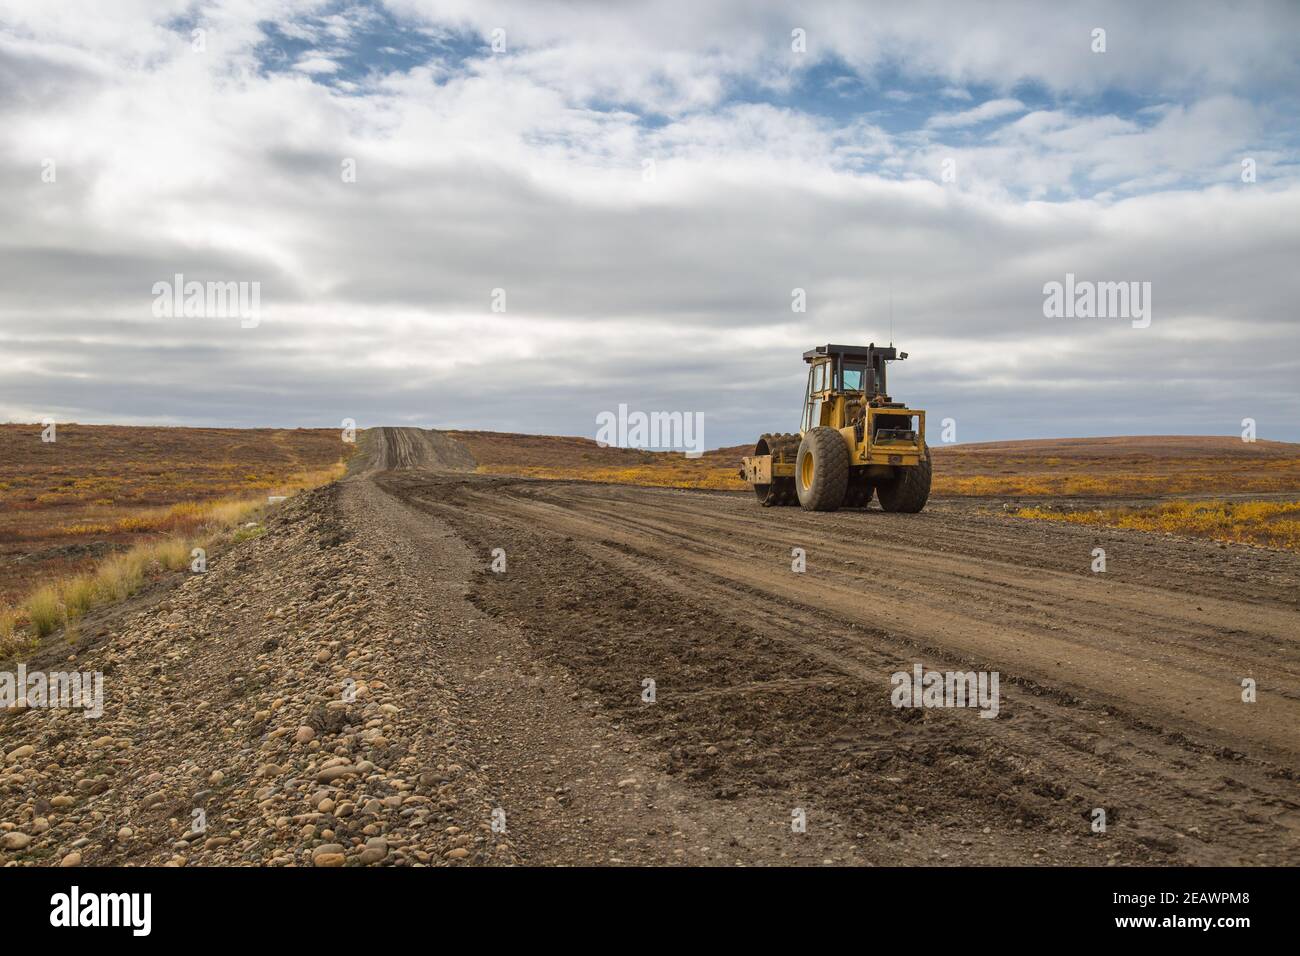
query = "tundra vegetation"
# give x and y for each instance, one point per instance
(93, 516)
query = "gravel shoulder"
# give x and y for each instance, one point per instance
(286, 708)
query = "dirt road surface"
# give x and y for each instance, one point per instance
(1119, 690)
(359, 686)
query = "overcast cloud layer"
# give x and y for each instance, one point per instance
(648, 183)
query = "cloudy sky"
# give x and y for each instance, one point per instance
(647, 184)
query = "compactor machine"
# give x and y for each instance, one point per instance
(854, 441)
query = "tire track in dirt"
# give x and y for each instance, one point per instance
(392, 449)
(1181, 634)
(1113, 652)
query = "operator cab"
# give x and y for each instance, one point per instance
(857, 372)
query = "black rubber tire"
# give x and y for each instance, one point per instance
(821, 470)
(909, 489)
(860, 491)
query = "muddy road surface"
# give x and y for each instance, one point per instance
(1119, 691)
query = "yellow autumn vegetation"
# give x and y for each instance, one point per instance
(1272, 523)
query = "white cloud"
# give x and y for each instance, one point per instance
(988, 110)
(316, 64)
(526, 172)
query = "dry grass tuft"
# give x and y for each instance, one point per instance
(44, 610)
(77, 595)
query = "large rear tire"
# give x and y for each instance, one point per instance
(821, 470)
(908, 490)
